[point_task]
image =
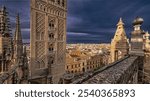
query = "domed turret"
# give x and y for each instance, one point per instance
(137, 38)
(138, 21)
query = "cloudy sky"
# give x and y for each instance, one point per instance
(88, 21)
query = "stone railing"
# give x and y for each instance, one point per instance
(124, 71)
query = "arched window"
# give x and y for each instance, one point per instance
(72, 71)
(58, 1)
(51, 60)
(83, 69)
(67, 67)
(51, 25)
(51, 36)
(51, 47)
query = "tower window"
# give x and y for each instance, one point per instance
(51, 36)
(63, 3)
(51, 48)
(83, 63)
(51, 25)
(52, 62)
(83, 69)
(58, 2)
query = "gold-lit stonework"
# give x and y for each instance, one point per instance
(48, 40)
(120, 43)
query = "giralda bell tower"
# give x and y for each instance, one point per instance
(48, 40)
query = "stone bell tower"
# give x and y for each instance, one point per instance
(48, 40)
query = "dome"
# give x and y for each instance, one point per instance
(138, 21)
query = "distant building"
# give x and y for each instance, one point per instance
(120, 43)
(48, 40)
(76, 63)
(81, 58)
(12, 53)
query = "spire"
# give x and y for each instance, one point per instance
(18, 45)
(120, 32)
(120, 22)
(17, 35)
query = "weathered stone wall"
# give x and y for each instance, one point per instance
(125, 71)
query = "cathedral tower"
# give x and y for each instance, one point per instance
(119, 44)
(13, 56)
(19, 57)
(5, 41)
(48, 40)
(18, 45)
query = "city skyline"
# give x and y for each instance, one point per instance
(88, 21)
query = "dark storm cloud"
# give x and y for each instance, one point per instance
(89, 21)
(98, 18)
